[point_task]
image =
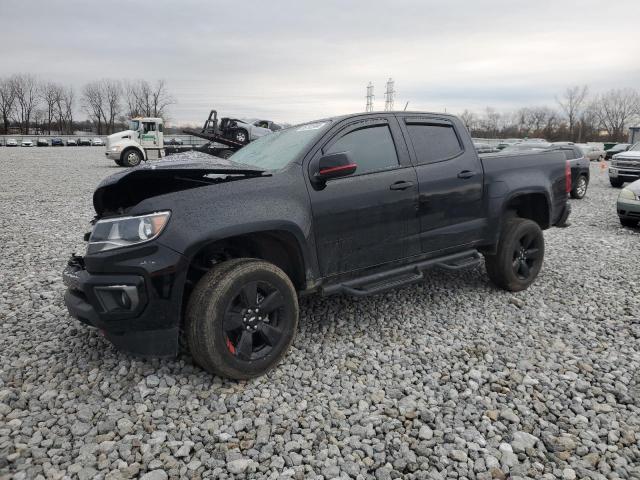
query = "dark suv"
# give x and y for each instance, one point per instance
(216, 252)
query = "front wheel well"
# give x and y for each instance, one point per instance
(277, 247)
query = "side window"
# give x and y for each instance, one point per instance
(160, 128)
(149, 127)
(433, 142)
(371, 148)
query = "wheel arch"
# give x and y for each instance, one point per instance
(143, 157)
(531, 204)
(279, 247)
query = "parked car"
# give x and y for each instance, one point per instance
(42, 142)
(628, 205)
(83, 142)
(580, 172)
(524, 146)
(220, 249)
(11, 142)
(484, 147)
(57, 142)
(508, 142)
(625, 166)
(274, 127)
(619, 148)
(592, 152)
(26, 143)
(242, 131)
(97, 142)
(1, 142)
(71, 142)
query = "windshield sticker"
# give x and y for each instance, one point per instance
(311, 126)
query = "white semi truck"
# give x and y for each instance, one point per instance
(143, 141)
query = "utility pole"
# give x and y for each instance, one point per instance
(388, 95)
(370, 97)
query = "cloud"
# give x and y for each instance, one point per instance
(298, 60)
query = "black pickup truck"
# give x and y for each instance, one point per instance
(212, 254)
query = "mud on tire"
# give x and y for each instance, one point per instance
(241, 318)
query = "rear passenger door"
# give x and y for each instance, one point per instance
(370, 217)
(450, 179)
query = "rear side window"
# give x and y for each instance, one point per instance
(433, 142)
(370, 148)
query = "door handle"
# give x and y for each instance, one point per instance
(401, 185)
(466, 174)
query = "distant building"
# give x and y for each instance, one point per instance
(634, 134)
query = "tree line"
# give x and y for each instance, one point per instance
(30, 104)
(576, 116)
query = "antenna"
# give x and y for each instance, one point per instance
(388, 95)
(406, 105)
(370, 97)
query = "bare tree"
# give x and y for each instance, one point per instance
(469, 119)
(143, 99)
(67, 104)
(93, 103)
(27, 98)
(571, 103)
(113, 102)
(614, 110)
(491, 121)
(50, 93)
(7, 102)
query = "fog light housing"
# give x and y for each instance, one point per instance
(117, 298)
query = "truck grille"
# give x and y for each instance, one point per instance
(628, 163)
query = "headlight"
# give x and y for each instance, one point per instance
(119, 232)
(626, 194)
(117, 148)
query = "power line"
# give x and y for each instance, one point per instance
(370, 97)
(388, 95)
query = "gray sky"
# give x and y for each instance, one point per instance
(299, 60)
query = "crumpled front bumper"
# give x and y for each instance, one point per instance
(133, 296)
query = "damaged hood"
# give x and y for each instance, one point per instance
(177, 172)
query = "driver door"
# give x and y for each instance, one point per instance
(370, 217)
(149, 135)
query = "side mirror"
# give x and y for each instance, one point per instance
(334, 165)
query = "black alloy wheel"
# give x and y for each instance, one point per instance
(253, 321)
(525, 255)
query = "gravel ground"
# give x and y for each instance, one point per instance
(450, 378)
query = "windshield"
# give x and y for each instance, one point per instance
(276, 150)
(134, 125)
(635, 147)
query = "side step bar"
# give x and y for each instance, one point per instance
(379, 282)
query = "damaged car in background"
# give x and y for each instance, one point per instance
(212, 254)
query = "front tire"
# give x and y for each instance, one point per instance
(628, 222)
(130, 158)
(241, 318)
(241, 136)
(580, 190)
(615, 183)
(519, 256)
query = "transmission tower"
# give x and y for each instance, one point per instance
(388, 95)
(370, 97)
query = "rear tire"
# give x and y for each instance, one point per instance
(226, 154)
(130, 158)
(580, 190)
(628, 222)
(615, 183)
(519, 256)
(241, 318)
